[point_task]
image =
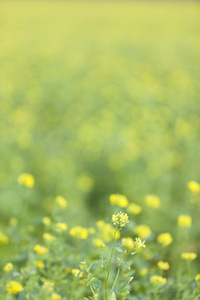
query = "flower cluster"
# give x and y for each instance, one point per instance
(120, 220)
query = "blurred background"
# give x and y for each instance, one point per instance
(98, 98)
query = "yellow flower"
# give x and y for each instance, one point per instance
(48, 237)
(163, 265)
(41, 250)
(143, 231)
(144, 272)
(55, 297)
(97, 242)
(128, 243)
(46, 221)
(79, 232)
(39, 264)
(152, 201)
(106, 231)
(197, 277)
(68, 269)
(189, 255)
(13, 221)
(119, 200)
(120, 220)
(8, 267)
(61, 227)
(91, 230)
(138, 243)
(194, 187)
(165, 239)
(49, 286)
(3, 238)
(75, 272)
(61, 201)
(184, 221)
(158, 280)
(14, 287)
(26, 179)
(134, 209)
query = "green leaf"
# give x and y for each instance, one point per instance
(96, 283)
(126, 265)
(119, 249)
(113, 297)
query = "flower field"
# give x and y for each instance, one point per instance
(100, 150)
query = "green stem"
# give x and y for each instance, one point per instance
(114, 282)
(109, 264)
(93, 292)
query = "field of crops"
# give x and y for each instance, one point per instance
(100, 150)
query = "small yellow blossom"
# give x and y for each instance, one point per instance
(48, 285)
(134, 209)
(128, 243)
(61, 227)
(152, 201)
(61, 201)
(26, 179)
(3, 238)
(194, 187)
(119, 200)
(68, 269)
(97, 242)
(184, 221)
(138, 244)
(189, 255)
(197, 277)
(39, 264)
(79, 232)
(91, 230)
(48, 237)
(8, 267)
(55, 297)
(41, 250)
(14, 287)
(163, 265)
(106, 231)
(75, 272)
(120, 220)
(143, 231)
(13, 221)
(46, 221)
(158, 280)
(165, 239)
(144, 272)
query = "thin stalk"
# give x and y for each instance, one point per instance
(114, 282)
(109, 264)
(93, 292)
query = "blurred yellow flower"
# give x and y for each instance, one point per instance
(26, 179)
(189, 255)
(55, 297)
(3, 238)
(61, 227)
(14, 287)
(119, 200)
(128, 243)
(142, 231)
(134, 209)
(75, 272)
(158, 280)
(163, 265)
(197, 277)
(144, 272)
(91, 230)
(152, 201)
(164, 239)
(46, 221)
(97, 242)
(194, 187)
(106, 231)
(184, 221)
(85, 182)
(48, 285)
(79, 232)
(48, 237)
(39, 264)
(41, 250)
(8, 267)
(61, 201)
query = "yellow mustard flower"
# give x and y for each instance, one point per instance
(14, 287)
(106, 231)
(8, 267)
(48, 237)
(46, 221)
(61, 227)
(152, 201)
(194, 187)
(197, 277)
(61, 201)
(79, 232)
(3, 238)
(41, 250)
(189, 255)
(144, 272)
(27, 180)
(184, 221)
(75, 272)
(163, 265)
(39, 264)
(134, 209)
(120, 219)
(138, 244)
(48, 285)
(55, 297)
(164, 239)
(158, 280)
(91, 230)
(119, 200)
(128, 243)
(143, 231)
(97, 242)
